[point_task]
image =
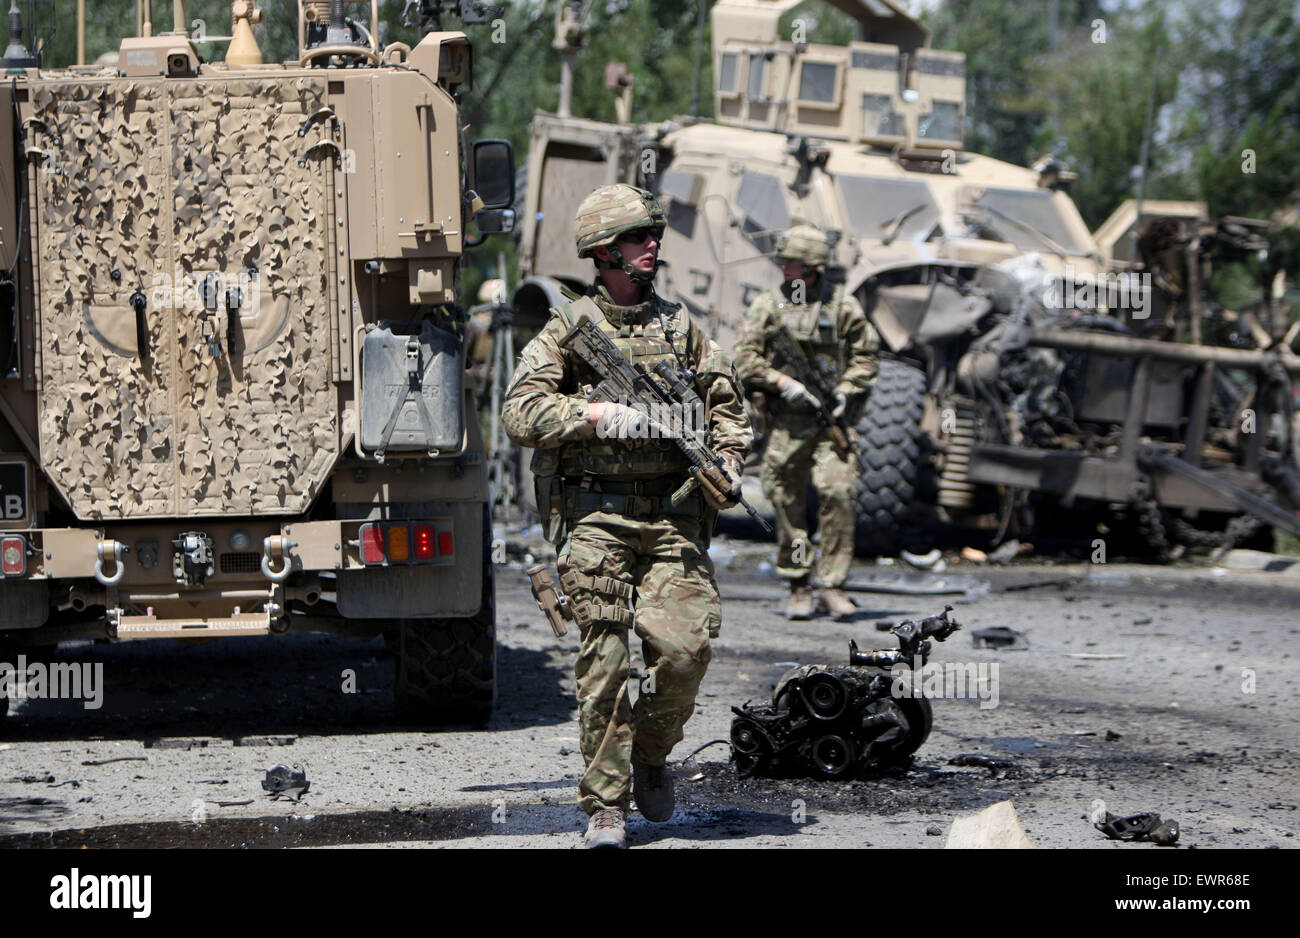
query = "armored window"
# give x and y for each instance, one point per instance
(683, 191)
(819, 83)
(879, 119)
(757, 76)
(762, 200)
(727, 73)
(942, 123)
(1037, 209)
(901, 209)
(682, 186)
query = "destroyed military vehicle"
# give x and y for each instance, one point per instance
(1030, 369)
(231, 401)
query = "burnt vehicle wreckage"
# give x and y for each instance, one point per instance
(838, 722)
(1035, 377)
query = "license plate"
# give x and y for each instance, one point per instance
(13, 491)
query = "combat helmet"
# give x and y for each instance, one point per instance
(803, 243)
(610, 211)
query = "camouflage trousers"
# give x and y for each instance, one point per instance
(795, 454)
(664, 567)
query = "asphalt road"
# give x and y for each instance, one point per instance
(1186, 708)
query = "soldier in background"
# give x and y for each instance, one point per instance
(628, 557)
(832, 330)
(478, 339)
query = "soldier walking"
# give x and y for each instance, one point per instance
(628, 557)
(835, 337)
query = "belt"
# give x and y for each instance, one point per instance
(655, 486)
(636, 506)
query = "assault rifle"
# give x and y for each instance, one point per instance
(621, 381)
(798, 366)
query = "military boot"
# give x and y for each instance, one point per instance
(607, 829)
(837, 603)
(800, 605)
(652, 787)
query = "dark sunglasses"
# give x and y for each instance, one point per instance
(640, 235)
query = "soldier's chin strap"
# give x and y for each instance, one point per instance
(635, 274)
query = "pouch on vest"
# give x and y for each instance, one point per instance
(548, 489)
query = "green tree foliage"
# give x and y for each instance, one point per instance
(1094, 98)
(1004, 42)
(522, 74)
(818, 23)
(1242, 94)
(1225, 74)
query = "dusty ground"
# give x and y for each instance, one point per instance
(194, 728)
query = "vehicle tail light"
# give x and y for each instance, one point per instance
(13, 555)
(407, 542)
(372, 544)
(399, 544)
(424, 542)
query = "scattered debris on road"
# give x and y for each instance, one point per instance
(1008, 552)
(996, 827)
(176, 742)
(290, 782)
(265, 740)
(982, 760)
(933, 561)
(999, 636)
(835, 722)
(1136, 827)
(912, 583)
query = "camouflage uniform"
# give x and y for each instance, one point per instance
(833, 328)
(621, 543)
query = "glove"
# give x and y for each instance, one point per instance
(794, 392)
(729, 496)
(618, 421)
(841, 404)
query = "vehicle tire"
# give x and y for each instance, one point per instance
(447, 668)
(890, 442)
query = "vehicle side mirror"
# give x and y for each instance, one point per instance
(495, 221)
(494, 173)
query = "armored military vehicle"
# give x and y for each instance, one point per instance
(232, 400)
(1028, 364)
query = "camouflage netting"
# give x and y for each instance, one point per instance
(169, 184)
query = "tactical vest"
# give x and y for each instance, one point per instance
(643, 342)
(815, 326)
